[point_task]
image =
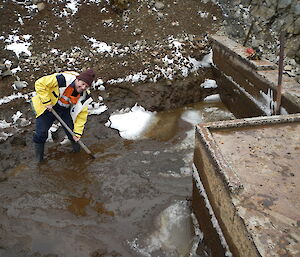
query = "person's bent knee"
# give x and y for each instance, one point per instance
(40, 138)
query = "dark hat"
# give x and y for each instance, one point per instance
(87, 76)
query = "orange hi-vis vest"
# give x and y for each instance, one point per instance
(70, 96)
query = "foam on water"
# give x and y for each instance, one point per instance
(173, 235)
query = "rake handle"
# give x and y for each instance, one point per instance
(85, 148)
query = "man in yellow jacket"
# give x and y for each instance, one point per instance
(67, 93)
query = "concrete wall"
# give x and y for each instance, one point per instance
(248, 87)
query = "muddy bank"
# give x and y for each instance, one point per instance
(162, 95)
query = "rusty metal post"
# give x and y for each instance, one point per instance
(248, 34)
(280, 71)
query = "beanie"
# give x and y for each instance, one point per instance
(87, 76)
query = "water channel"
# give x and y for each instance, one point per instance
(133, 200)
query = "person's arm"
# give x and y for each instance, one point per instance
(80, 122)
(43, 88)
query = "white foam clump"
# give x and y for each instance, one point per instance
(209, 83)
(173, 232)
(192, 116)
(131, 123)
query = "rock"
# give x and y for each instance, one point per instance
(288, 67)
(159, 5)
(264, 12)
(137, 32)
(297, 27)
(24, 123)
(160, 15)
(19, 140)
(2, 67)
(3, 177)
(297, 9)
(6, 73)
(41, 6)
(282, 4)
(20, 84)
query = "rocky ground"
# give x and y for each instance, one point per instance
(151, 52)
(157, 44)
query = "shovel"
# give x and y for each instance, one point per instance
(72, 133)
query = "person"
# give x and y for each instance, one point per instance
(68, 94)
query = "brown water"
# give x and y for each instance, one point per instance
(133, 200)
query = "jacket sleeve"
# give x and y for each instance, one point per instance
(80, 122)
(44, 86)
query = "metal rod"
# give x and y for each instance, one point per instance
(280, 71)
(248, 34)
(72, 133)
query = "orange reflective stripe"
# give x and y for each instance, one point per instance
(74, 99)
(67, 98)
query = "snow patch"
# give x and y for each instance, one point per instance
(131, 123)
(18, 44)
(212, 98)
(209, 83)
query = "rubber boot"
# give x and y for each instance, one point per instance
(75, 147)
(39, 152)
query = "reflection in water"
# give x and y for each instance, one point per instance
(78, 206)
(167, 124)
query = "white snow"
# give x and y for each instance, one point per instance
(18, 44)
(73, 6)
(101, 47)
(4, 124)
(16, 116)
(4, 135)
(214, 220)
(209, 83)
(97, 109)
(7, 99)
(212, 98)
(131, 123)
(53, 129)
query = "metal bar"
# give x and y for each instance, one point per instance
(248, 34)
(280, 71)
(72, 133)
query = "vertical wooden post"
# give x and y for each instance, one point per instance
(280, 71)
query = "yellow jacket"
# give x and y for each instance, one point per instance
(50, 88)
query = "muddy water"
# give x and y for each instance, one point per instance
(133, 200)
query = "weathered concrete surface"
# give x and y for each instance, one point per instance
(250, 170)
(253, 81)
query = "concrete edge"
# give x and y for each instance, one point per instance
(204, 132)
(240, 52)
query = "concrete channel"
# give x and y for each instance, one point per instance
(248, 169)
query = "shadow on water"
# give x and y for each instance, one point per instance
(132, 200)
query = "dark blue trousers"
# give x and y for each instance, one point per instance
(45, 121)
